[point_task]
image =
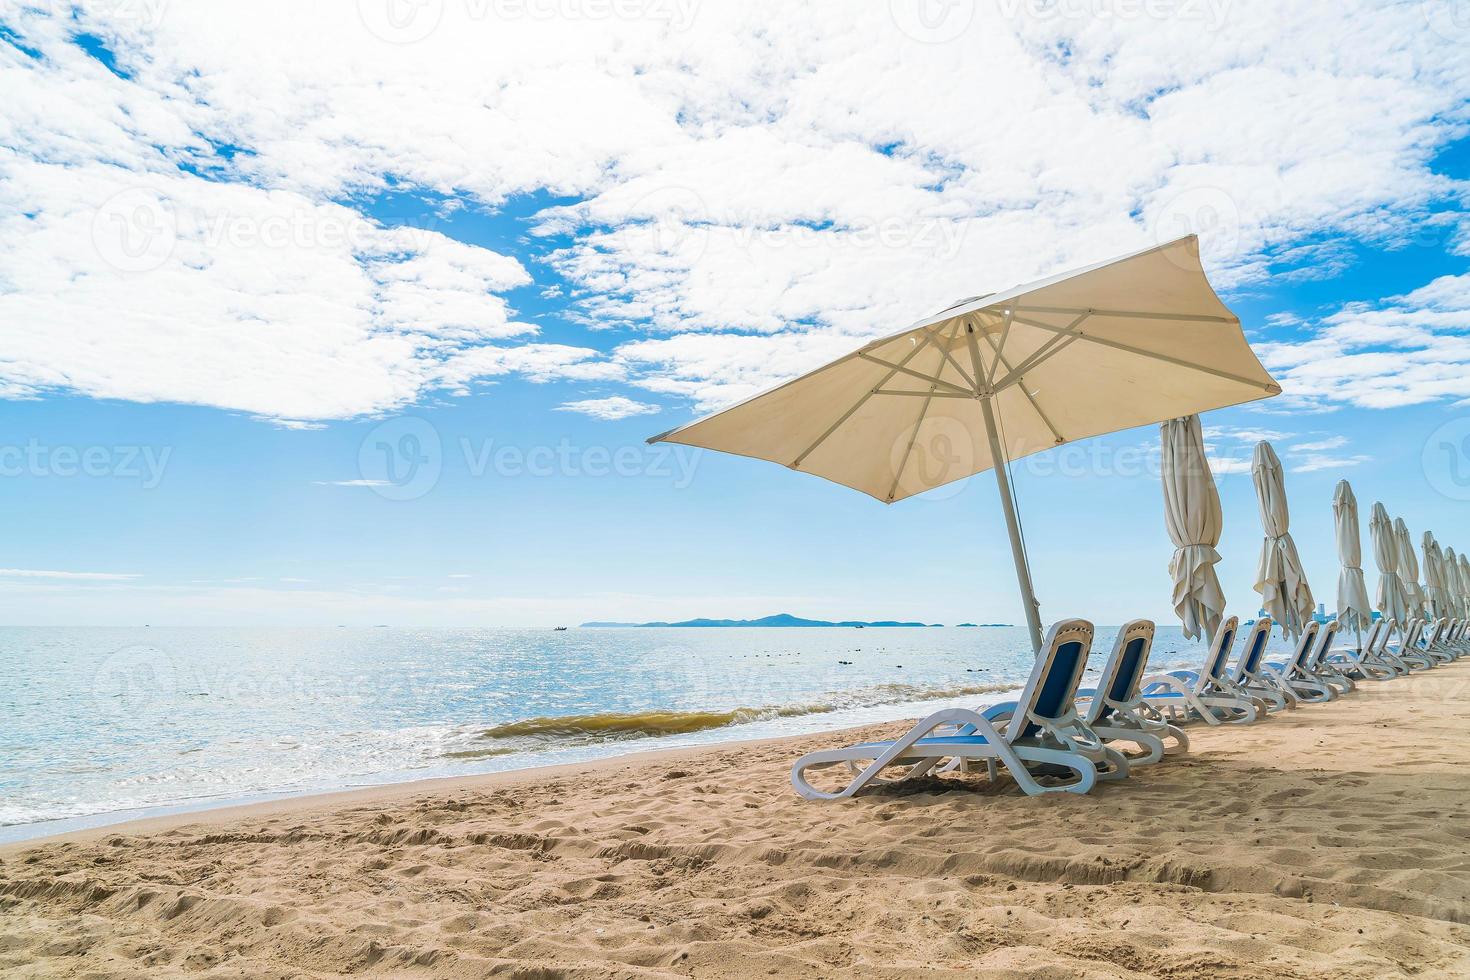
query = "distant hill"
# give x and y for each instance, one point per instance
(780, 619)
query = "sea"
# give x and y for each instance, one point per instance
(101, 725)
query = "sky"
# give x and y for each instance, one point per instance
(360, 312)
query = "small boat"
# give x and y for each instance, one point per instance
(557, 629)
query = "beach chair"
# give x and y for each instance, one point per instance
(1114, 709)
(1436, 642)
(1040, 731)
(1294, 675)
(1320, 669)
(1207, 694)
(1457, 637)
(1250, 676)
(1363, 663)
(1408, 651)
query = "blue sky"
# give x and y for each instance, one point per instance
(243, 253)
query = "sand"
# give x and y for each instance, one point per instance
(1330, 841)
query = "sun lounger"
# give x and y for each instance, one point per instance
(1040, 731)
(1319, 668)
(1364, 662)
(1207, 694)
(1436, 642)
(1115, 710)
(1294, 675)
(1251, 676)
(1408, 650)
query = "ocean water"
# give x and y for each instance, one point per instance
(99, 725)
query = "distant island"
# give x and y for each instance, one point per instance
(781, 619)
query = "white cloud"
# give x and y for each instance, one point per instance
(1323, 461)
(1321, 445)
(760, 185)
(1225, 465)
(71, 576)
(349, 483)
(1235, 433)
(609, 409)
(1407, 350)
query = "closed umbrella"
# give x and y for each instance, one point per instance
(994, 378)
(1449, 567)
(1279, 576)
(1391, 600)
(1434, 582)
(1408, 569)
(1464, 585)
(1456, 582)
(1192, 516)
(1354, 610)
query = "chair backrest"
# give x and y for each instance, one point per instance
(1219, 653)
(1410, 639)
(1305, 644)
(1407, 631)
(1324, 644)
(1254, 648)
(1378, 642)
(1437, 636)
(1124, 669)
(1050, 690)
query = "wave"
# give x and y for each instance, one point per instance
(571, 731)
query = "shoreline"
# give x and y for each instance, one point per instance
(273, 805)
(1325, 841)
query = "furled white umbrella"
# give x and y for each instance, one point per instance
(1279, 576)
(1128, 342)
(1391, 599)
(1460, 582)
(1192, 516)
(1354, 609)
(1464, 585)
(1449, 569)
(1408, 569)
(1434, 581)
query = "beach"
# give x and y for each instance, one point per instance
(1328, 841)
